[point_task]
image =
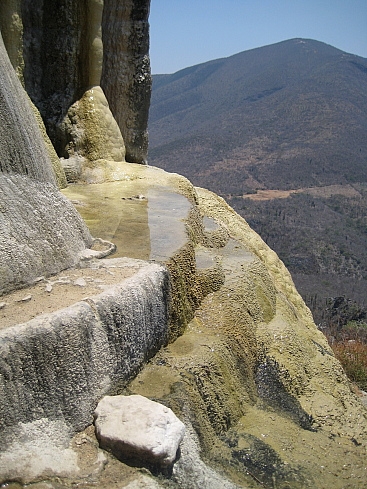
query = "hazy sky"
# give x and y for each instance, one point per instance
(187, 32)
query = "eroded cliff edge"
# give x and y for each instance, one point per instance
(237, 356)
(242, 363)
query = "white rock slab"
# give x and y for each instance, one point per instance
(134, 427)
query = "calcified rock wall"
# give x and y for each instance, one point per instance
(57, 50)
(62, 363)
(22, 149)
(126, 78)
(40, 231)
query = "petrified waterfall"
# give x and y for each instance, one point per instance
(22, 149)
(126, 78)
(62, 363)
(40, 231)
(37, 32)
(214, 329)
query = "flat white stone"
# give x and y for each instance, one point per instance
(48, 288)
(134, 427)
(80, 282)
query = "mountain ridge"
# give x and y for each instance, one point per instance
(195, 105)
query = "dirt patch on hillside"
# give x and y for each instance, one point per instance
(325, 192)
(270, 194)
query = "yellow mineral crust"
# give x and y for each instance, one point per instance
(100, 134)
(254, 375)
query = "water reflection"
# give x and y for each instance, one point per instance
(144, 223)
(166, 214)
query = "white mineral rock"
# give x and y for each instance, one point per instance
(133, 427)
(80, 282)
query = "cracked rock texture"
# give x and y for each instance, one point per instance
(214, 330)
(136, 428)
(60, 364)
(126, 78)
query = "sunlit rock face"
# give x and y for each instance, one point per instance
(61, 50)
(22, 150)
(95, 145)
(40, 231)
(215, 330)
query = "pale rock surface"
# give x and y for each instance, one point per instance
(143, 482)
(36, 449)
(134, 427)
(31, 244)
(41, 233)
(191, 471)
(43, 449)
(92, 134)
(58, 365)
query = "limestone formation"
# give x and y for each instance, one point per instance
(37, 449)
(126, 78)
(11, 27)
(40, 231)
(138, 429)
(64, 361)
(246, 366)
(22, 150)
(95, 141)
(214, 330)
(88, 43)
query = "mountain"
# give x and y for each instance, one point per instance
(287, 117)
(206, 323)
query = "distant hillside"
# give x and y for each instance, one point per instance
(289, 116)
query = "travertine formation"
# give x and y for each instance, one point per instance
(62, 49)
(40, 231)
(126, 78)
(215, 330)
(62, 362)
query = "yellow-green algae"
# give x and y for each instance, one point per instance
(251, 372)
(94, 136)
(313, 433)
(151, 214)
(11, 26)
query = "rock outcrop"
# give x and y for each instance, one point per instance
(194, 312)
(126, 78)
(40, 231)
(22, 149)
(60, 50)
